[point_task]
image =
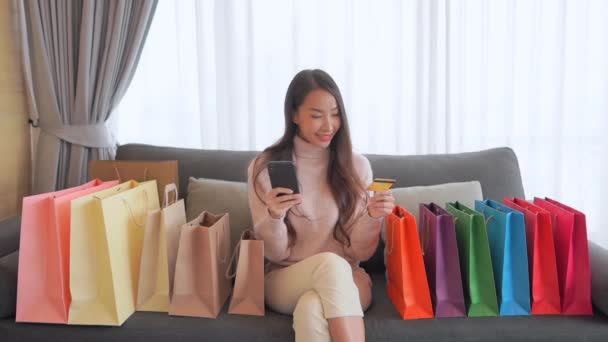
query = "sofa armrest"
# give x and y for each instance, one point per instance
(9, 235)
(598, 256)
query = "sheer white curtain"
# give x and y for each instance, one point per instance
(417, 77)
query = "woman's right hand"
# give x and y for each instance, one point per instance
(280, 200)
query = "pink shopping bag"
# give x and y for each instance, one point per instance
(43, 294)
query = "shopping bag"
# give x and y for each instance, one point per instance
(105, 247)
(475, 261)
(43, 293)
(159, 253)
(507, 238)
(407, 285)
(248, 292)
(200, 287)
(163, 171)
(572, 256)
(440, 251)
(544, 294)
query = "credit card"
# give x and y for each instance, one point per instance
(381, 184)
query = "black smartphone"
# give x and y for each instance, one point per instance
(283, 175)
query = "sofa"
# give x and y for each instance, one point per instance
(496, 169)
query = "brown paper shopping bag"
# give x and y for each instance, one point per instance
(163, 171)
(200, 286)
(248, 293)
(159, 253)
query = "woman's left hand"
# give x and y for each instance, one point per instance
(381, 204)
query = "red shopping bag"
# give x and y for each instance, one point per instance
(545, 295)
(572, 252)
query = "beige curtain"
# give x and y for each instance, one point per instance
(79, 57)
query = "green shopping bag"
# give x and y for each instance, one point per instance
(475, 261)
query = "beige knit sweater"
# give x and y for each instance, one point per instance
(315, 230)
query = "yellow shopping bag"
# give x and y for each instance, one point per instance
(159, 253)
(105, 246)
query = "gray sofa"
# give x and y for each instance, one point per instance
(496, 169)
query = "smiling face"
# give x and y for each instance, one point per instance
(318, 118)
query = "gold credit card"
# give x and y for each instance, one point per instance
(381, 184)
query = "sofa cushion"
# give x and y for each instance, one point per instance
(411, 197)
(218, 196)
(9, 235)
(8, 284)
(496, 169)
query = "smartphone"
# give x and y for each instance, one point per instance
(380, 184)
(283, 175)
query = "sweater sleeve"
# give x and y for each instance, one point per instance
(272, 231)
(365, 231)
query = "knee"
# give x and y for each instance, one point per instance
(333, 271)
(364, 284)
(333, 283)
(332, 263)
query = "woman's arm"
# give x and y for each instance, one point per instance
(272, 231)
(365, 231)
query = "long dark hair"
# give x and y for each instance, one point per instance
(346, 186)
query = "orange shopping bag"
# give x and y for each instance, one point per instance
(43, 294)
(406, 284)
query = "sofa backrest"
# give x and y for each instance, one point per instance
(496, 169)
(213, 164)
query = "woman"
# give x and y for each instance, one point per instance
(316, 239)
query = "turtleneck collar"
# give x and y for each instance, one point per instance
(304, 149)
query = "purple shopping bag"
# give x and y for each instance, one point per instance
(440, 251)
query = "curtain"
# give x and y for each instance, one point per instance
(418, 76)
(79, 57)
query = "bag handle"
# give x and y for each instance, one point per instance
(226, 245)
(235, 255)
(120, 178)
(389, 250)
(390, 246)
(116, 190)
(424, 239)
(169, 188)
(140, 225)
(490, 217)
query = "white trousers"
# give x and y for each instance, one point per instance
(317, 288)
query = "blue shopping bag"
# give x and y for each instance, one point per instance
(507, 238)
